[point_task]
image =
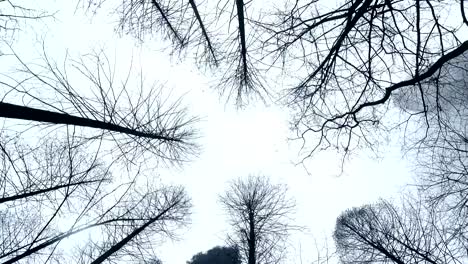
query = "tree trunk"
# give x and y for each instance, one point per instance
(252, 239)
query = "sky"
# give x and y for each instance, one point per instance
(235, 143)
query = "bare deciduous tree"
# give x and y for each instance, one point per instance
(145, 215)
(219, 34)
(66, 188)
(383, 233)
(136, 117)
(259, 214)
(359, 57)
(57, 191)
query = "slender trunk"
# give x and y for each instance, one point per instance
(395, 258)
(252, 239)
(240, 16)
(50, 242)
(168, 23)
(116, 247)
(41, 191)
(203, 29)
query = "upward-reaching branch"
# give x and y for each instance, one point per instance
(168, 23)
(204, 32)
(175, 203)
(28, 113)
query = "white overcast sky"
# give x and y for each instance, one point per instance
(234, 142)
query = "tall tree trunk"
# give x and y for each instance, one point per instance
(252, 239)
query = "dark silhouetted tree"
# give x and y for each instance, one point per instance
(134, 116)
(220, 35)
(88, 93)
(359, 57)
(58, 190)
(383, 233)
(259, 214)
(217, 255)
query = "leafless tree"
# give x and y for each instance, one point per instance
(57, 191)
(259, 214)
(218, 34)
(135, 116)
(133, 227)
(357, 57)
(444, 174)
(384, 233)
(38, 185)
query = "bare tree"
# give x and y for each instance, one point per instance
(444, 174)
(138, 221)
(58, 190)
(259, 214)
(219, 34)
(383, 233)
(138, 118)
(39, 185)
(358, 57)
(66, 188)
